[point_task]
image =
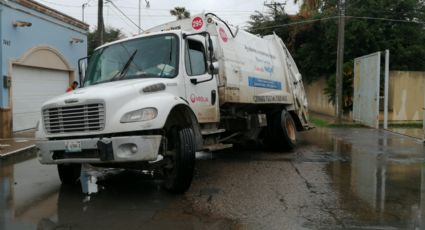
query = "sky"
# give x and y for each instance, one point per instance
(236, 12)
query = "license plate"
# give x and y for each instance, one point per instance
(72, 146)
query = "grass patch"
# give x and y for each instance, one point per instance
(346, 125)
(406, 125)
(330, 124)
(318, 122)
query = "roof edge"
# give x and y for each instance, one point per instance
(52, 13)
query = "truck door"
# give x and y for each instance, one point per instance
(202, 97)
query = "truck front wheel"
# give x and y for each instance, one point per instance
(282, 132)
(181, 153)
(69, 174)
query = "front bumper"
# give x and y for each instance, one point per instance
(105, 150)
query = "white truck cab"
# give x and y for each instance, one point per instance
(152, 101)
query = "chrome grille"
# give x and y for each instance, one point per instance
(79, 118)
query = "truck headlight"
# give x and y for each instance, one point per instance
(145, 114)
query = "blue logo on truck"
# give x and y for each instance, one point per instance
(263, 83)
(268, 69)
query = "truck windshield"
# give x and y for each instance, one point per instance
(155, 56)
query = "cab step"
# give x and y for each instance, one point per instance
(216, 147)
(212, 131)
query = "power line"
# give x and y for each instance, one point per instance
(298, 22)
(161, 15)
(336, 17)
(199, 10)
(113, 4)
(59, 4)
(237, 11)
(122, 19)
(147, 16)
(164, 15)
(157, 9)
(222, 12)
(384, 19)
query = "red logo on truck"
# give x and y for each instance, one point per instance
(201, 99)
(197, 23)
(223, 35)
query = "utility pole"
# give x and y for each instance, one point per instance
(83, 7)
(100, 25)
(140, 13)
(340, 61)
(386, 85)
(140, 16)
(274, 5)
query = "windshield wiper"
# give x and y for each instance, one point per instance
(169, 59)
(125, 68)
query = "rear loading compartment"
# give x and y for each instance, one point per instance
(258, 73)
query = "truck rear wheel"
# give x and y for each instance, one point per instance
(69, 174)
(179, 174)
(282, 132)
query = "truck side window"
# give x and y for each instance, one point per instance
(195, 58)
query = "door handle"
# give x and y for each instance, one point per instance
(213, 97)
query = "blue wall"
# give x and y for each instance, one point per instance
(44, 31)
(1, 56)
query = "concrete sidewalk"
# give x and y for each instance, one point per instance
(20, 141)
(417, 133)
(406, 130)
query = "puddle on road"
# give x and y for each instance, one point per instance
(88, 183)
(31, 197)
(379, 177)
(90, 175)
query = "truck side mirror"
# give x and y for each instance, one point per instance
(194, 81)
(213, 68)
(82, 66)
(210, 45)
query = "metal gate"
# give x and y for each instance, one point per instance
(367, 70)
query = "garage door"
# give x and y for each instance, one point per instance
(31, 87)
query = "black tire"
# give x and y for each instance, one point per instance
(179, 177)
(282, 132)
(69, 174)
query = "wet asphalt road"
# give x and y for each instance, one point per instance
(337, 179)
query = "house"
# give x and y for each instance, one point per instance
(39, 53)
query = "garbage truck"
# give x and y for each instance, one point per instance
(152, 101)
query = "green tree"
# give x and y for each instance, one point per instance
(180, 13)
(111, 34)
(309, 7)
(265, 23)
(313, 45)
(347, 84)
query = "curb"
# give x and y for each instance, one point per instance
(405, 135)
(8, 154)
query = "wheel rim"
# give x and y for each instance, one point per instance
(291, 130)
